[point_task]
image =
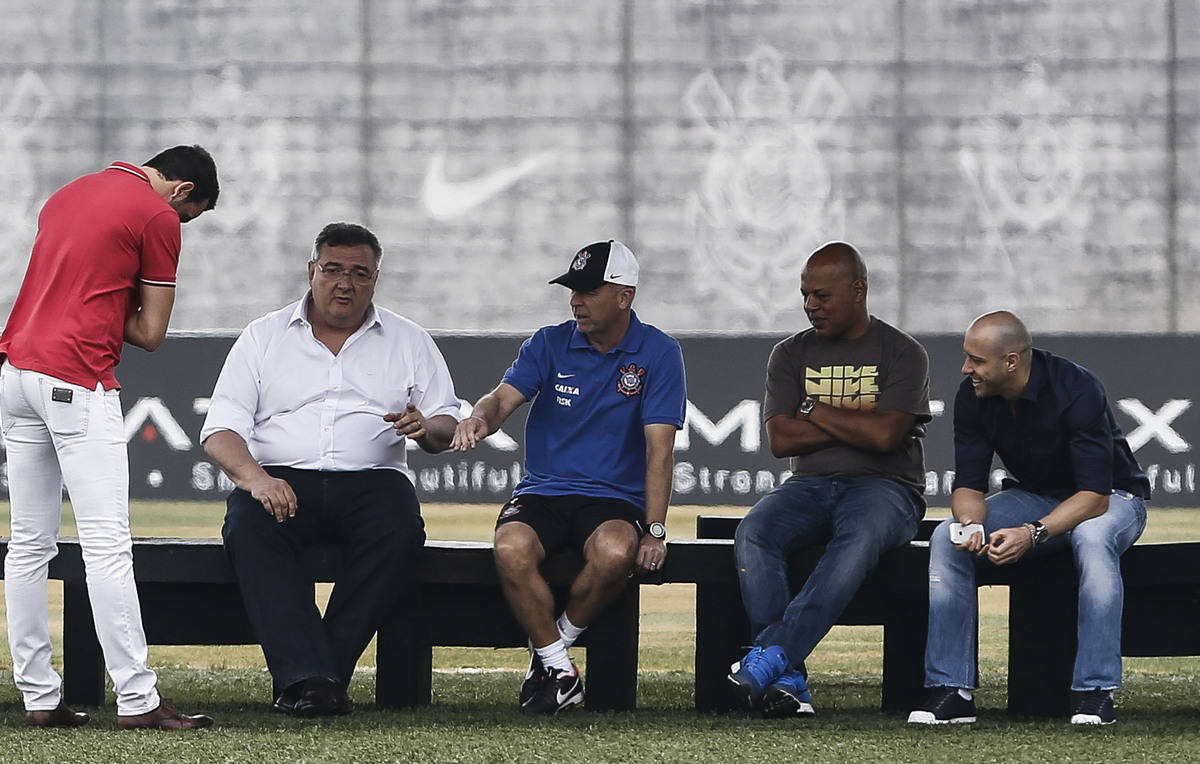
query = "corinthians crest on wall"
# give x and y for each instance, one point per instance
(1024, 169)
(25, 104)
(767, 196)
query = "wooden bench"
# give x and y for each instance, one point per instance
(1161, 617)
(189, 596)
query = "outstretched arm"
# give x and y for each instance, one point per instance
(489, 413)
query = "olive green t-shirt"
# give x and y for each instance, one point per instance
(883, 370)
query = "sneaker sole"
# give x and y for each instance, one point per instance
(570, 702)
(779, 704)
(925, 717)
(1088, 720)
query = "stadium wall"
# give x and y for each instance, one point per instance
(721, 456)
(1038, 155)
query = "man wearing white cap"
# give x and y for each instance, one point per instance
(608, 395)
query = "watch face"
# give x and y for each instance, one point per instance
(657, 530)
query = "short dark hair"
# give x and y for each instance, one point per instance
(190, 163)
(346, 235)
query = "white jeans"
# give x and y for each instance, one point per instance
(58, 432)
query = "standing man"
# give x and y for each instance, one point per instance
(846, 401)
(1073, 482)
(310, 419)
(608, 395)
(102, 271)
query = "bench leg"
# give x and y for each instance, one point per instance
(83, 661)
(1041, 645)
(403, 661)
(612, 655)
(722, 631)
(904, 637)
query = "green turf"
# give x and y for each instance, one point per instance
(473, 716)
(473, 719)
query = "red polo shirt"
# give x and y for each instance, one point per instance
(98, 237)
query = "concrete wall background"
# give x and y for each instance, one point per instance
(1042, 155)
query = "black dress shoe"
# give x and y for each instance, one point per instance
(316, 696)
(286, 702)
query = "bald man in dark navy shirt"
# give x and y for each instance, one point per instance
(1073, 482)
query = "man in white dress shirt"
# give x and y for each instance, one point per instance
(310, 418)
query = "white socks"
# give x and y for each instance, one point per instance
(554, 655)
(965, 694)
(567, 631)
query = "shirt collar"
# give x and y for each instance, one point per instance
(1037, 376)
(300, 313)
(630, 343)
(129, 168)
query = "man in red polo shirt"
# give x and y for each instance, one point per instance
(102, 272)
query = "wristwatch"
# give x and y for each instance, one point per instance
(1037, 532)
(657, 530)
(806, 406)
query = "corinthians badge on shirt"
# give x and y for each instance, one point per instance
(629, 379)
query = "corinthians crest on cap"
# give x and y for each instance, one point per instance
(581, 260)
(629, 379)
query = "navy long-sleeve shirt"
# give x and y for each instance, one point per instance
(1061, 439)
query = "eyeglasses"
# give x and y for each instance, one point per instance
(359, 276)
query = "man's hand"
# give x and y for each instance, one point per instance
(974, 544)
(275, 495)
(1008, 545)
(651, 554)
(408, 423)
(468, 433)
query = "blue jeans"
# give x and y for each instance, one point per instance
(856, 518)
(1097, 545)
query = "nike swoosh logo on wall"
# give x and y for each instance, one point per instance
(445, 199)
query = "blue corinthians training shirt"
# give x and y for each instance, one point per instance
(584, 433)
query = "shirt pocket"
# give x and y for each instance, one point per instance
(67, 407)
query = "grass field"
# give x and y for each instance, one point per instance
(473, 716)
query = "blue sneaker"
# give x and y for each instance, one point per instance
(788, 696)
(752, 674)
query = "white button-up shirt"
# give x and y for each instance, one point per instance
(296, 404)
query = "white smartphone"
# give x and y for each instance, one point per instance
(960, 533)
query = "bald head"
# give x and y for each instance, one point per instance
(839, 254)
(998, 355)
(834, 287)
(1003, 333)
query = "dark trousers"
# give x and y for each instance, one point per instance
(374, 518)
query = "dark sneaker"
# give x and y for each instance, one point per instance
(752, 675)
(944, 706)
(1094, 707)
(788, 696)
(559, 690)
(534, 676)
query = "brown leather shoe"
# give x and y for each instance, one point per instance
(165, 717)
(58, 717)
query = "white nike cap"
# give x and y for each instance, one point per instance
(605, 261)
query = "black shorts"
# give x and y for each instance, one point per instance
(562, 520)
